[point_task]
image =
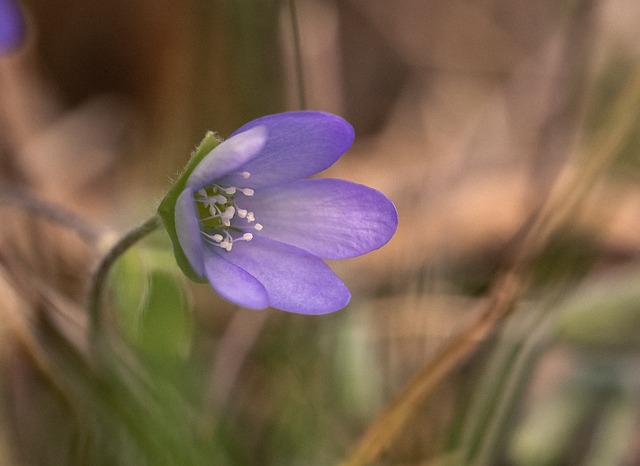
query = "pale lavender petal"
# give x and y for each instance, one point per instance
(228, 156)
(12, 27)
(234, 283)
(299, 144)
(332, 219)
(188, 231)
(295, 280)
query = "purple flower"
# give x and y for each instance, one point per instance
(12, 28)
(247, 219)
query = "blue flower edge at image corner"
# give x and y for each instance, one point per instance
(12, 26)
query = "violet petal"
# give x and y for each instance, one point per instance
(332, 219)
(299, 144)
(188, 230)
(12, 26)
(295, 280)
(228, 156)
(234, 283)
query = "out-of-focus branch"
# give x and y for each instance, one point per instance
(55, 213)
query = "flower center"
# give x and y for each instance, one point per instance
(222, 220)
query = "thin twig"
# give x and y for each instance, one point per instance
(390, 422)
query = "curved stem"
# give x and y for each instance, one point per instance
(99, 278)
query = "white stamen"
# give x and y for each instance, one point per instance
(213, 210)
(219, 202)
(227, 215)
(216, 238)
(246, 191)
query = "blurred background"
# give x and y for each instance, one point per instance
(466, 115)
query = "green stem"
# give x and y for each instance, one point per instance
(101, 274)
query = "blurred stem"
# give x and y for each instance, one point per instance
(559, 208)
(297, 48)
(101, 274)
(515, 360)
(55, 213)
(390, 422)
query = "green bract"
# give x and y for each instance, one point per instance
(167, 206)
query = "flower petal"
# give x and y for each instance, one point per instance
(188, 231)
(234, 283)
(12, 26)
(332, 219)
(228, 156)
(299, 144)
(295, 280)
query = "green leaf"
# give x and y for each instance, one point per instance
(606, 312)
(167, 206)
(151, 303)
(549, 430)
(129, 288)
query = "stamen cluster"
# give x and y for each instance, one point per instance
(222, 220)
